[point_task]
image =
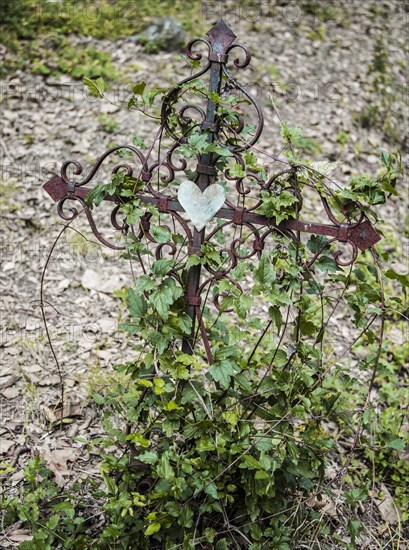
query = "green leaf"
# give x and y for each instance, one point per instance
(172, 406)
(397, 444)
(290, 133)
(52, 522)
(96, 195)
(193, 260)
(138, 141)
(236, 171)
(137, 304)
(264, 273)
(315, 243)
(148, 458)
(153, 528)
(250, 463)
(96, 87)
(145, 284)
(402, 279)
(198, 141)
(280, 207)
(261, 474)
(242, 381)
(138, 438)
(167, 293)
(231, 417)
(159, 385)
(185, 517)
(66, 507)
(275, 315)
(98, 398)
(160, 234)
(139, 88)
(162, 267)
(211, 490)
(327, 264)
(185, 324)
(218, 149)
(222, 372)
(164, 469)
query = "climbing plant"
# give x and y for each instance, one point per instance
(220, 431)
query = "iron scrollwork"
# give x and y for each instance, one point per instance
(238, 212)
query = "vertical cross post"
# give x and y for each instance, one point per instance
(220, 38)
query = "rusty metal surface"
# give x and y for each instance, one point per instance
(254, 229)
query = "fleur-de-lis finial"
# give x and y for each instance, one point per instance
(221, 37)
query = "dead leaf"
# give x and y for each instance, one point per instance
(5, 445)
(325, 504)
(20, 535)
(8, 381)
(56, 414)
(57, 462)
(92, 280)
(387, 507)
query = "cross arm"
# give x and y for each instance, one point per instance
(362, 234)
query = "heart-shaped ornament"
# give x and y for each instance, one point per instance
(201, 207)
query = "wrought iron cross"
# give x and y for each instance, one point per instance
(233, 214)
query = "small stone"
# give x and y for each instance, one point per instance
(166, 34)
(372, 159)
(10, 393)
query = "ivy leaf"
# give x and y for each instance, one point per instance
(160, 234)
(148, 458)
(139, 88)
(137, 304)
(164, 469)
(138, 141)
(96, 195)
(222, 373)
(162, 298)
(264, 273)
(328, 264)
(185, 324)
(275, 315)
(402, 279)
(95, 87)
(397, 444)
(236, 171)
(162, 267)
(315, 242)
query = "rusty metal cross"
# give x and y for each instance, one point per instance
(359, 234)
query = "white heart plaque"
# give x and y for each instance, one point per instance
(201, 207)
